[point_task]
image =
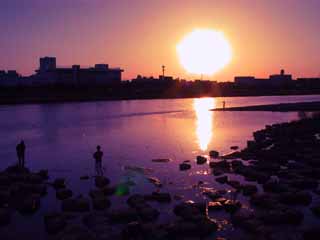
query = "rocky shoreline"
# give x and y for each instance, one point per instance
(281, 168)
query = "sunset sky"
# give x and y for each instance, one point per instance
(141, 35)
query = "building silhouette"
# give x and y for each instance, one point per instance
(99, 75)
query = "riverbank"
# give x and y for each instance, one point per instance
(15, 96)
(282, 107)
(269, 190)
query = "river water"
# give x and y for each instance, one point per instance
(63, 137)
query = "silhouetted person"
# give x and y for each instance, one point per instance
(223, 105)
(98, 157)
(21, 148)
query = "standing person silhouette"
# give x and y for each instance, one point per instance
(21, 148)
(98, 157)
(224, 105)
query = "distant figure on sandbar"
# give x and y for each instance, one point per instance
(21, 148)
(98, 157)
(223, 105)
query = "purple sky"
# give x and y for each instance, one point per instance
(140, 36)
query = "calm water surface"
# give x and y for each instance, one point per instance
(63, 137)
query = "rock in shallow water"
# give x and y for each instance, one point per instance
(184, 166)
(201, 160)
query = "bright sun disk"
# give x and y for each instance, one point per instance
(204, 51)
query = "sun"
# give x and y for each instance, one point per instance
(204, 51)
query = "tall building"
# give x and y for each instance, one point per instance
(47, 63)
(99, 75)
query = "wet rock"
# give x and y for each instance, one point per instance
(201, 160)
(96, 193)
(109, 190)
(34, 179)
(223, 179)
(136, 201)
(133, 230)
(231, 206)
(304, 184)
(161, 160)
(213, 206)
(295, 198)
(177, 197)
(76, 232)
(184, 229)
(40, 189)
(282, 216)
(63, 193)
(86, 177)
(184, 166)
(241, 216)
(5, 216)
(159, 197)
(59, 183)
(235, 184)
(148, 213)
(43, 174)
(213, 194)
(101, 203)
(155, 181)
(54, 223)
(123, 215)
(249, 189)
(101, 181)
(28, 205)
(222, 165)
(214, 154)
(189, 210)
(265, 201)
(79, 204)
(217, 172)
(275, 187)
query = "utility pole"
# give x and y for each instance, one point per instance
(163, 70)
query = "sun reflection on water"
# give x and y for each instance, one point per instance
(204, 120)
